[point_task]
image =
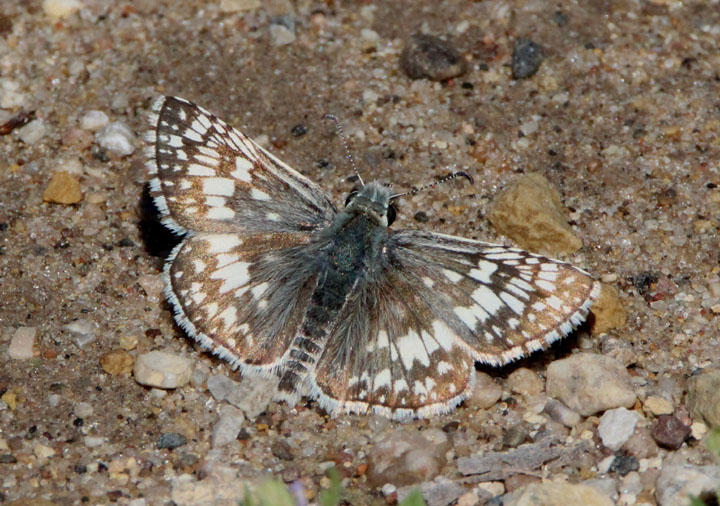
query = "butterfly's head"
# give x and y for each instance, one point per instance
(372, 200)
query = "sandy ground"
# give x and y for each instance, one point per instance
(622, 117)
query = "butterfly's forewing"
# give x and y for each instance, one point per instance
(240, 280)
(209, 177)
(439, 304)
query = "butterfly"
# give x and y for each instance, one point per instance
(271, 276)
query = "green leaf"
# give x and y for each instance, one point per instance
(414, 499)
(331, 496)
(271, 493)
(696, 501)
(712, 441)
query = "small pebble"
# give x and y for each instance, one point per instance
(21, 344)
(33, 132)
(128, 342)
(525, 382)
(171, 440)
(561, 413)
(117, 362)
(94, 120)
(220, 386)
(281, 35)
(670, 432)
(623, 464)
(226, 430)
(703, 397)
(616, 426)
(530, 212)
(64, 188)
(678, 482)
(486, 392)
(239, 5)
(83, 332)
(10, 96)
(282, 450)
(427, 56)
(589, 383)
(253, 394)
(406, 457)
(658, 406)
(557, 493)
(608, 311)
(43, 452)
(116, 138)
(60, 8)
(83, 409)
(54, 400)
(162, 369)
(94, 441)
(526, 58)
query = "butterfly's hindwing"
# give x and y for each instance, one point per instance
(243, 297)
(408, 344)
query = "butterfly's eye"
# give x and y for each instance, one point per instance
(350, 196)
(391, 214)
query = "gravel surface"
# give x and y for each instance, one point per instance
(619, 113)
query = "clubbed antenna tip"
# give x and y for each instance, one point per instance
(445, 179)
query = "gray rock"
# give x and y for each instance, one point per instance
(403, 457)
(227, 427)
(281, 35)
(82, 331)
(616, 426)
(439, 492)
(253, 394)
(589, 383)
(162, 369)
(556, 493)
(430, 57)
(561, 413)
(220, 386)
(21, 344)
(94, 120)
(33, 131)
(526, 58)
(677, 482)
(116, 138)
(703, 398)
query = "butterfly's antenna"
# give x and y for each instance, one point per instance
(341, 134)
(449, 177)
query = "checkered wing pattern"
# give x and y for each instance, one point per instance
(239, 280)
(242, 297)
(207, 176)
(439, 304)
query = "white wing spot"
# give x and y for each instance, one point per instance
(410, 348)
(546, 285)
(488, 299)
(233, 276)
(443, 335)
(453, 276)
(192, 135)
(484, 271)
(229, 316)
(258, 290)
(222, 243)
(259, 194)
(242, 169)
(382, 340)
(444, 367)
(515, 304)
(382, 380)
(195, 169)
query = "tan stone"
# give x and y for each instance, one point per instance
(117, 362)
(608, 311)
(703, 397)
(555, 494)
(530, 212)
(64, 188)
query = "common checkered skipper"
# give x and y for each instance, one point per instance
(273, 278)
